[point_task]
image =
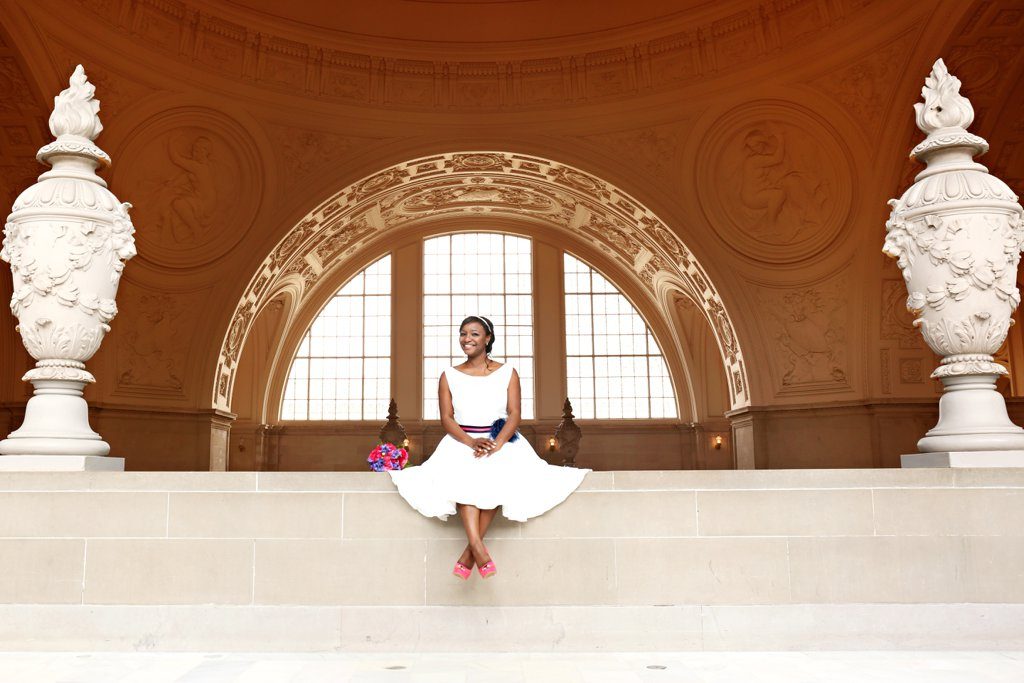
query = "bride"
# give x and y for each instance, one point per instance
(482, 463)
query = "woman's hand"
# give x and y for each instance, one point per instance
(482, 447)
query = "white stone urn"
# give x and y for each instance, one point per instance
(67, 240)
(957, 235)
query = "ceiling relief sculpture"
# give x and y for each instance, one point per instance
(365, 70)
(483, 183)
(653, 149)
(305, 152)
(865, 88)
(193, 175)
(22, 128)
(774, 182)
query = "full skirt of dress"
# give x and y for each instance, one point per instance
(515, 477)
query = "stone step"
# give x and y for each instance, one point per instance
(794, 551)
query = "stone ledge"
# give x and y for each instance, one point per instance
(515, 629)
(621, 480)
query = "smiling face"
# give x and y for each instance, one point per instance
(473, 339)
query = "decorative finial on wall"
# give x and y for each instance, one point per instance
(943, 106)
(75, 112)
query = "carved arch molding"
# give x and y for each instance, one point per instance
(485, 184)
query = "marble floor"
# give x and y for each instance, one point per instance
(695, 667)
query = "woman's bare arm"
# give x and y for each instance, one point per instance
(444, 402)
(514, 409)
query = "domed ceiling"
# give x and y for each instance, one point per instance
(481, 23)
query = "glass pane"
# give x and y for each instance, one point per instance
(491, 275)
(613, 364)
(342, 370)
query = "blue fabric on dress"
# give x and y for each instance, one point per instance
(496, 428)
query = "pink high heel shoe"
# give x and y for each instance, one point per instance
(462, 571)
(488, 569)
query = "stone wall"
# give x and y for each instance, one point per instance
(666, 560)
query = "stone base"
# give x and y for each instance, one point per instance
(964, 459)
(60, 463)
(496, 628)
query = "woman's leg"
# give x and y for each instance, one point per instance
(485, 521)
(470, 515)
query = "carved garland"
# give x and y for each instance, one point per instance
(494, 183)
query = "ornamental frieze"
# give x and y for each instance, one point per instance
(515, 186)
(688, 50)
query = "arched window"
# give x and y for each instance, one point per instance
(342, 370)
(486, 274)
(613, 364)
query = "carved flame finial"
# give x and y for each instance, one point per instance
(74, 109)
(943, 106)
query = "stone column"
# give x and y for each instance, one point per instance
(957, 235)
(67, 240)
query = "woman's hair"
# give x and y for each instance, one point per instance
(488, 328)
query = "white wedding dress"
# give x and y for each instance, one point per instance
(515, 477)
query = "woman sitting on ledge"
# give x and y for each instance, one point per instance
(482, 462)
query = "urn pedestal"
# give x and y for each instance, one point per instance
(67, 239)
(957, 235)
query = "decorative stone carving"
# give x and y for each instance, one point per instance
(146, 364)
(199, 177)
(774, 181)
(681, 50)
(305, 152)
(808, 328)
(653, 149)
(865, 88)
(568, 436)
(897, 323)
(494, 183)
(957, 235)
(67, 240)
(393, 432)
(911, 371)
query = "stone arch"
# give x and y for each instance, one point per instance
(486, 184)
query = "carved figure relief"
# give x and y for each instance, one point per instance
(808, 328)
(780, 186)
(145, 360)
(198, 181)
(772, 182)
(188, 189)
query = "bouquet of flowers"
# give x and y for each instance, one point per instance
(387, 456)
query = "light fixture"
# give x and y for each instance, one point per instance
(552, 444)
(405, 444)
(718, 442)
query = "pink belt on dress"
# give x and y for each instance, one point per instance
(470, 429)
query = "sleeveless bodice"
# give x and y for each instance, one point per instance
(479, 401)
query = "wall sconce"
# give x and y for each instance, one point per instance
(405, 444)
(718, 442)
(552, 444)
